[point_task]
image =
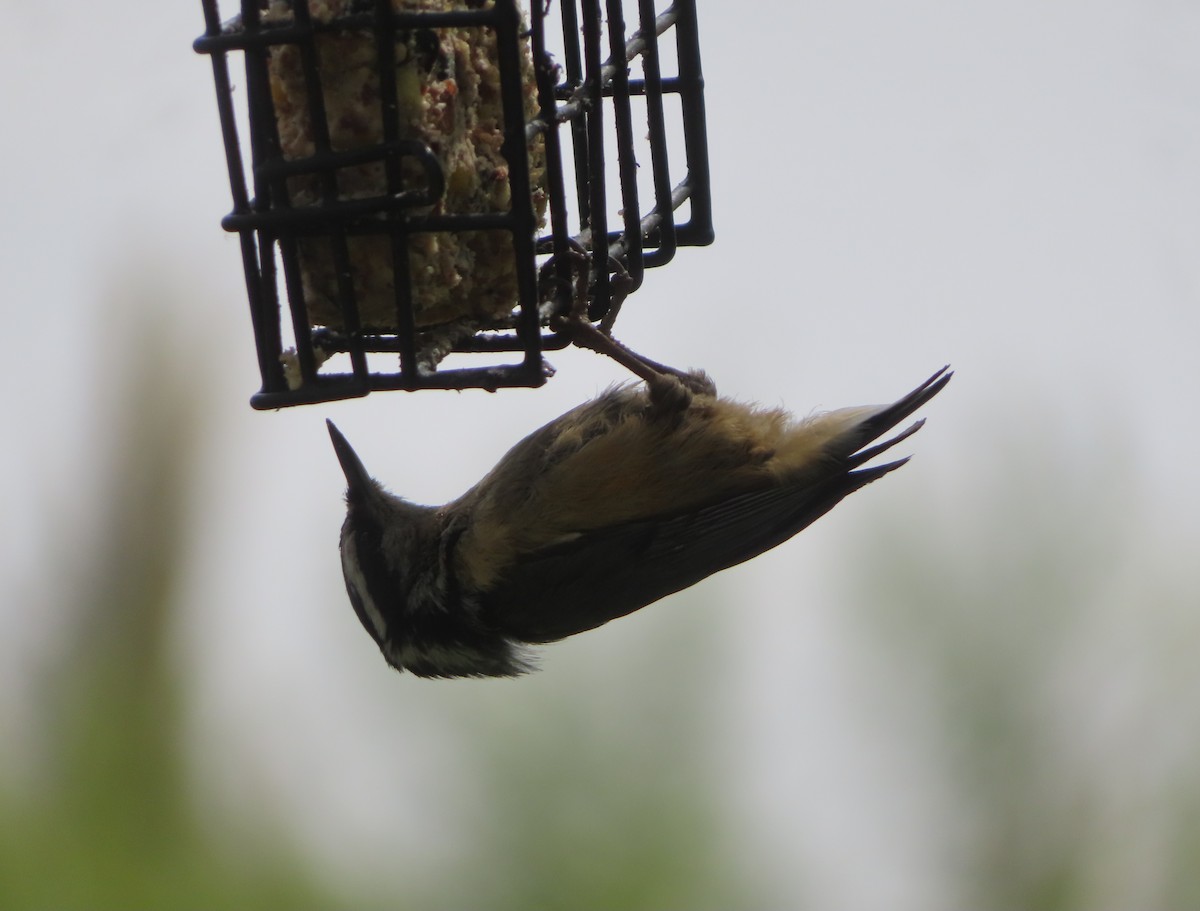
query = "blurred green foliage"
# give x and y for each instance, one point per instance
(107, 820)
(1077, 780)
(581, 812)
(1055, 656)
(594, 810)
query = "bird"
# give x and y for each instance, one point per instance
(638, 493)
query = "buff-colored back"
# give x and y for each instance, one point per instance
(611, 461)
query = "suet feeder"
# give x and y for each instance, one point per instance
(396, 232)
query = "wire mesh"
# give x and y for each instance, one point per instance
(393, 228)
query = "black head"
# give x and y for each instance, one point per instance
(364, 564)
(398, 562)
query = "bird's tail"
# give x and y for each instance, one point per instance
(848, 448)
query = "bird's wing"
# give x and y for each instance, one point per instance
(608, 573)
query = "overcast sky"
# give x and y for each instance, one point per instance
(1013, 188)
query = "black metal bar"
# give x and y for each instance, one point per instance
(627, 163)
(573, 61)
(343, 158)
(654, 221)
(597, 223)
(496, 339)
(264, 329)
(385, 51)
(271, 191)
(559, 290)
(235, 36)
(664, 239)
(576, 99)
(264, 142)
(314, 219)
(318, 118)
(516, 153)
(333, 387)
(612, 230)
(699, 228)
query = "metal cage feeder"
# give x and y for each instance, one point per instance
(411, 223)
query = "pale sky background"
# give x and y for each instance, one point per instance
(1011, 187)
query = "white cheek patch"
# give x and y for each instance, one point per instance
(356, 580)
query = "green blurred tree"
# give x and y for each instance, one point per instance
(108, 821)
(583, 810)
(1043, 638)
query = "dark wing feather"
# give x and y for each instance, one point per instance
(609, 573)
(885, 419)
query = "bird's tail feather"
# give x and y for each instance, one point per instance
(849, 448)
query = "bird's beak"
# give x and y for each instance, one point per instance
(358, 482)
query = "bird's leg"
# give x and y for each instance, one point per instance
(670, 389)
